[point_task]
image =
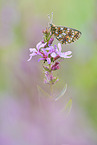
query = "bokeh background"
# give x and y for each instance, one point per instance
(27, 116)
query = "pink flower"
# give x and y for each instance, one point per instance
(35, 51)
(63, 54)
(40, 50)
(45, 56)
(57, 52)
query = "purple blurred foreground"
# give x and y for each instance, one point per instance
(41, 123)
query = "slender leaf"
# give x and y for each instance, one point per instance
(68, 106)
(62, 93)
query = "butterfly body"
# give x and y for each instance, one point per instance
(64, 34)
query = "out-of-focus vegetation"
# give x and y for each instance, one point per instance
(21, 25)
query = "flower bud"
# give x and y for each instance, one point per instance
(55, 66)
(51, 41)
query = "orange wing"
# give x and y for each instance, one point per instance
(65, 34)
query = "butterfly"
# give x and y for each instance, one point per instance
(64, 34)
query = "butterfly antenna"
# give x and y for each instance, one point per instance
(51, 18)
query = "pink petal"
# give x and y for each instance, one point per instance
(40, 59)
(32, 49)
(38, 45)
(64, 55)
(29, 58)
(48, 60)
(48, 48)
(31, 55)
(68, 52)
(59, 46)
(53, 54)
(51, 47)
(38, 53)
(45, 52)
(42, 45)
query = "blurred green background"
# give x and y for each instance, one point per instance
(21, 25)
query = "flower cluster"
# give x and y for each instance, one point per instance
(50, 54)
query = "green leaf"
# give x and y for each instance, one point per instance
(46, 68)
(62, 93)
(53, 80)
(68, 106)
